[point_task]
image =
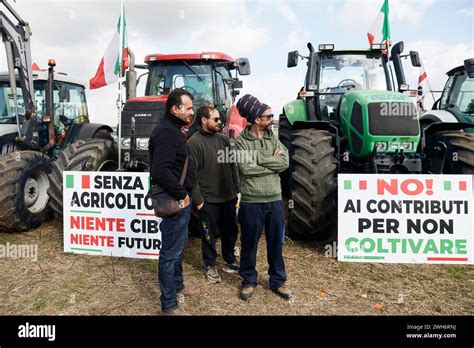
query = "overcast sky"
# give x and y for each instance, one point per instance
(76, 34)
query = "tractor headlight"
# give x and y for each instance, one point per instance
(126, 143)
(142, 143)
(406, 145)
(381, 146)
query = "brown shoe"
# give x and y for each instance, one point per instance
(283, 292)
(174, 312)
(189, 291)
(246, 292)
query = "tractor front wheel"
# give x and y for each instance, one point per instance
(24, 185)
(284, 135)
(312, 209)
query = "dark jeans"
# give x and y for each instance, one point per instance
(253, 218)
(174, 237)
(222, 216)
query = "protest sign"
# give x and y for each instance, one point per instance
(405, 218)
(109, 213)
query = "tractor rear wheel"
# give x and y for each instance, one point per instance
(83, 155)
(284, 135)
(313, 185)
(24, 185)
(460, 151)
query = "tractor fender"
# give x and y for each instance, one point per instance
(444, 126)
(295, 111)
(87, 130)
(321, 125)
(438, 116)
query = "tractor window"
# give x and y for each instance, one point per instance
(223, 92)
(446, 92)
(195, 78)
(7, 105)
(341, 73)
(69, 103)
(462, 96)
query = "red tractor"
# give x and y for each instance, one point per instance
(207, 76)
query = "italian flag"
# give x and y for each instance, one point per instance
(424, 86)
(114, 59)
(379, 31)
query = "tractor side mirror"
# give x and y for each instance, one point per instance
(243, 66)
(292, 59)
(415, 59)
(469, 66)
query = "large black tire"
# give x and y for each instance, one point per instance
(313, 185)
(24, 185)
(82, 155)
(460, 152)
(284, 135)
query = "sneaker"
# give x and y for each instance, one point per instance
(283, 292)
(247, 292)
(212, 275)
(231, 267)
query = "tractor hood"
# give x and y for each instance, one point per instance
(386, 118)
(7, 129)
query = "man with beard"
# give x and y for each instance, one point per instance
(261, 205)
(215, 194)
(169, 160)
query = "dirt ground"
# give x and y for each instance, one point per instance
(69, 284)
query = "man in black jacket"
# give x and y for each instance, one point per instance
(215, 194)
(168, 153)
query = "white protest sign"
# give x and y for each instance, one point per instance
(405, 218)
(108, 213)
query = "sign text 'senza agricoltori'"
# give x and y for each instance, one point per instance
(109, 213)
(405, 218)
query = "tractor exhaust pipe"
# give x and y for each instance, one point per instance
(397, 50)
(131, 77)
(310, 77)
(49, 108)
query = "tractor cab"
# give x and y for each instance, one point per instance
(211, 77)
(69, 107)
(338, 72)
(458, 94)
(351, 93)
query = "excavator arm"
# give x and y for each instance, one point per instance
(16, 38)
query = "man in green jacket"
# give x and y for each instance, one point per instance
(215, 194)
(263, 157)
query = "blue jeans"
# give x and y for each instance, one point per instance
(174, 238)
(253, 218)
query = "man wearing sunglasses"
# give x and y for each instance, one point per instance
(215, 195)
(261, 205)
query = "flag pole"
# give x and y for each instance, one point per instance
(119, 99)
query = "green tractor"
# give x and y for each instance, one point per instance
(351, 116)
